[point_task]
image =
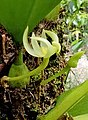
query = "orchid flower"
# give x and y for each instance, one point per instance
(40, 46)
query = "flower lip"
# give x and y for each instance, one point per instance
(40, 46)
(57, 45)
(48, 46)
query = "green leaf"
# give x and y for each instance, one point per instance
(53, 15)
(77, 46)
(15, 15)
(67, 102)
(80, 108)
(64, 95)
(81, 117)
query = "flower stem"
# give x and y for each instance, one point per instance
(42, 66)
(64, 70)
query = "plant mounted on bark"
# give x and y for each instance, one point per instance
(17, 17)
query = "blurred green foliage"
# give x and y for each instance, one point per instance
(73, 20)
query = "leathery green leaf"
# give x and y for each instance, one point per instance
(15, 15)
(80, 108)
(67, 102)
(81, 117)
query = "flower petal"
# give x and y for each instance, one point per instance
(52, 35)
(26, 43)
(36, 46)
(42, 44)
(43, 34)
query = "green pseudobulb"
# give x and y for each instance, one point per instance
(18, 70)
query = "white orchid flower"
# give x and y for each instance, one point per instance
(40, 46)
